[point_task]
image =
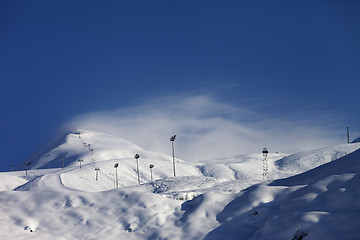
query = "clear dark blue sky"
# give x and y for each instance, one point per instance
(62, 58)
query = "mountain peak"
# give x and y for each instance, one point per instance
(69, 147)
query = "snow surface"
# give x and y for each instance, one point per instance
(314, 195)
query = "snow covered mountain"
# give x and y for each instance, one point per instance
(314, 194)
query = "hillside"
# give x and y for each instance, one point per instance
(221, 198)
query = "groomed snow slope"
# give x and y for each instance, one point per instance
(69, 203)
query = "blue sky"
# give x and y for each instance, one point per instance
(293, 63)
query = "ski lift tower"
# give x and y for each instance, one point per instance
(265, 163)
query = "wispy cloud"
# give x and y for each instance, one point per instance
(208, 128)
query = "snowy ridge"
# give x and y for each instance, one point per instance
(304, 161)
(321, 203)
(215, 199)
(103, 151)
(83, 144)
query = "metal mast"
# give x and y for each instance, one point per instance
(27, 166)
(80, 161)
(116, 176)
(172, 139)
(63, 159)
(151, 167)
(265, 163)
(137, 165)
(97, 173)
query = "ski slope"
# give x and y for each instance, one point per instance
(312, 194)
